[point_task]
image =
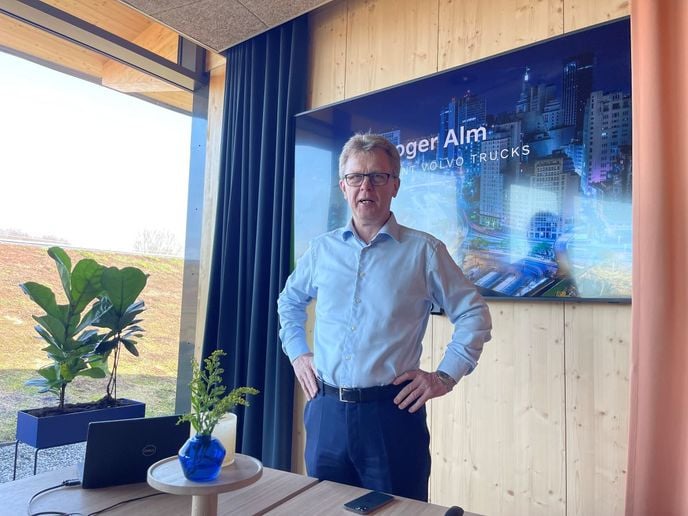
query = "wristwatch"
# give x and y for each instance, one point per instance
(446, 380)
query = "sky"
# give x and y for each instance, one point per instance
(86, 163)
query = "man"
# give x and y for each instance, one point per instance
(375, 282)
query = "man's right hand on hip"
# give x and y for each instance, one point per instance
(304, 369)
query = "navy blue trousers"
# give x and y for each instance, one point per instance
(371, 444)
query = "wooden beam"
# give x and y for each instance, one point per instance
(121, 77)
(27, 40)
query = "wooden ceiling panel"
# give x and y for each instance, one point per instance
(110, 15)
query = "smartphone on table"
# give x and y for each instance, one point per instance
(368, 503)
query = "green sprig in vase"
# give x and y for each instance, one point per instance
(202, 454)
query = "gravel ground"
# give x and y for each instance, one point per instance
(48, 459)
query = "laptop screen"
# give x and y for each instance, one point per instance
(120, 452)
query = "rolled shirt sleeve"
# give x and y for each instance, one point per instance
(465, 308)
(292, 302)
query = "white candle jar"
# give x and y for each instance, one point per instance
(225, 432)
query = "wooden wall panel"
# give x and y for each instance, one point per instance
(498, 440)
(540, 427)
(474, 29)
(327, 58)
(583, 13)
(389, 42)
(597, 400)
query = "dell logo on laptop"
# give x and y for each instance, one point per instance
(149, 450)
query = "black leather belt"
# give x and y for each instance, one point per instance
(360, 395)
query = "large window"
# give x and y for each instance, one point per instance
(96, 160)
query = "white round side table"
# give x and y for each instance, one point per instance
(167, 476)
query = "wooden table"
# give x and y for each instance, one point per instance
(273, 488)
(167, 476)
(329, 498)
(275, 493)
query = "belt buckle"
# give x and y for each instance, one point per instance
(342, 391)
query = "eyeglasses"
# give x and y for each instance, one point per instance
(375, 178)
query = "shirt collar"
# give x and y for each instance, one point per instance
(391, 228)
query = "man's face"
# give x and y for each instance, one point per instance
(370, 205)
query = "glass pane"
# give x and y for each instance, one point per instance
(103, 175)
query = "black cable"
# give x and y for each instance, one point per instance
(65, 483)
(73, 483)
(100, 511)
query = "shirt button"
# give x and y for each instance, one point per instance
(357, 300)
(347, 357)
(353, 328)
(361, 274)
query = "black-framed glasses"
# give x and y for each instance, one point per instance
(375, 178)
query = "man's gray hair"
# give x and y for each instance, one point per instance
(367, 142)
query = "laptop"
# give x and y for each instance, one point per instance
(120, 452)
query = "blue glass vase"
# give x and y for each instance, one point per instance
(201, 458)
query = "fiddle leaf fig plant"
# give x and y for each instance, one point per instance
(120, 316)
(70, 345)
(208, 400)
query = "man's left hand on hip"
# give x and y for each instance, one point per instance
(423, 386)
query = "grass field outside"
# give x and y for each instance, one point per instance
(150, 378)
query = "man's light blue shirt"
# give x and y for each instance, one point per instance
(373, 305)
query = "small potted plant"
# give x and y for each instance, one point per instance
(202, 455)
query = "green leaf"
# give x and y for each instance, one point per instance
(43, 297)
(93, 315)
(136, 308)
(54, 353)
(74, 320)
(88, 337)
(98, 361)
(45, 335)
(129, 316)
(49, 373)
(131, 346)
(69, 370)
(54, 326)
(123, 286)
(92, 372)
(37, 382)
(106, 347)
(108, 319)
(134, 331)
(86, 283)
(64, 268)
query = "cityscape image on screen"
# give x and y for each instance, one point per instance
(521, 164)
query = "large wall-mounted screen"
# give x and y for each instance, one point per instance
(520, 163)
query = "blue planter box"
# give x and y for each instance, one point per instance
(60, 429)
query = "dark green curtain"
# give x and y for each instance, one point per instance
(265, 88)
